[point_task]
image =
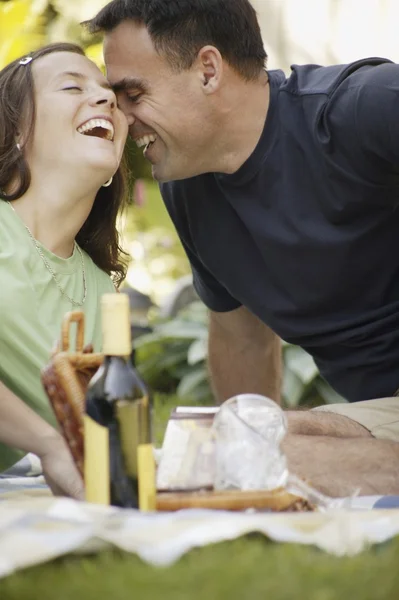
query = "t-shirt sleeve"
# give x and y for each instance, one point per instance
(210, 290)
(376, 113)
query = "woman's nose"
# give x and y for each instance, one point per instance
(106, 97)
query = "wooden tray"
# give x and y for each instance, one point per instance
(274, 500)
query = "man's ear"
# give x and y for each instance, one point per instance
(210, 68)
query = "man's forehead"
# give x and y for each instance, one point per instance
(126, 72)
(129, 51)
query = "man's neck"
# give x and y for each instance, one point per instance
(243, 124)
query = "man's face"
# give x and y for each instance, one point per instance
(166, 110)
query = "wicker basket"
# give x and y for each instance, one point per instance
(65, 380)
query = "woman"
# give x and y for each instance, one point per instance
(61, 142)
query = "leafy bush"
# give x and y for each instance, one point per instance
(173, 359)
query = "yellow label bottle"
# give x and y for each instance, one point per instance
(118, 414)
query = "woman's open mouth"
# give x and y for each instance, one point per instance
(101, 128)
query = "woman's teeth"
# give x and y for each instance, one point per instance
(102, 124)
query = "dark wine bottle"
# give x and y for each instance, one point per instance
(117, 418)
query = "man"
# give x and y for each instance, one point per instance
(284, 194)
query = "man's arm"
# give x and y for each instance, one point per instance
(341, 467)
(338, 456)
(306, 422)
(22, 428)
(244, 355)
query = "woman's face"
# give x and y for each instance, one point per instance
(78, 124)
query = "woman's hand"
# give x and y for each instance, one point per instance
(59, 470)
(21, 427)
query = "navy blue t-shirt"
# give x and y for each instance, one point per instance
(306, 233)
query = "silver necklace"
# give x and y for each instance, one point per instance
(50, 270)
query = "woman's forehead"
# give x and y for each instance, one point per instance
(53, 66)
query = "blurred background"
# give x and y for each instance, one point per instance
(168, 321)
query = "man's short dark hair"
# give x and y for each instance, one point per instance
(180, 28)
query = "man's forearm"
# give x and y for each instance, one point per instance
(244, 361)
(21, 427)
(340, 467)
(307, 422)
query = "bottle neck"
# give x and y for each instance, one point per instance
(119, 358)
(116, 331)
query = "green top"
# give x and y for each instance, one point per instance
(31, 312)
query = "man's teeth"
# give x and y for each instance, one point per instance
(103, 123)
(145, 140)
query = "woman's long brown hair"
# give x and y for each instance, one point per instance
(99, 235)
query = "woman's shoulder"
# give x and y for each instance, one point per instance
(14, 240)
(102, 280)
(7, 220)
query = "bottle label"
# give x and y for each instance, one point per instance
(133, 420)
(146, 472)
(96, 462)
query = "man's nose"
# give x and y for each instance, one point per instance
(130, 120)
(127, 111)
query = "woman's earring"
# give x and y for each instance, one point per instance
(108, 183)
(19, 146)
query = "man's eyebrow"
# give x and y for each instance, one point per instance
(129, 83)
(77, 75)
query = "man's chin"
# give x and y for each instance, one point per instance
(163, 176)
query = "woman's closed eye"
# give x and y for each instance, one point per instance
(72, 87)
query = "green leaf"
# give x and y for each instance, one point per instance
(201, 395)
(197, 352)
(191, 381)
(183, 330)
(181, 370)
(293, 388)
(171, 359)
(301, 363)
(147, 339)
(175, 330)
(329, 395)
(195, 311)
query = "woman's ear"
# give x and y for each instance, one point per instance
(19, 140)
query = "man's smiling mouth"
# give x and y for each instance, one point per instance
(98, 128)
(146, 140)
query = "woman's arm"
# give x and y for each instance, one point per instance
(22, 428)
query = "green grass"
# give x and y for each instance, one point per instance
(247, 568)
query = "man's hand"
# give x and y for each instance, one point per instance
(344, 466)
(60, 472)
(338, 456)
